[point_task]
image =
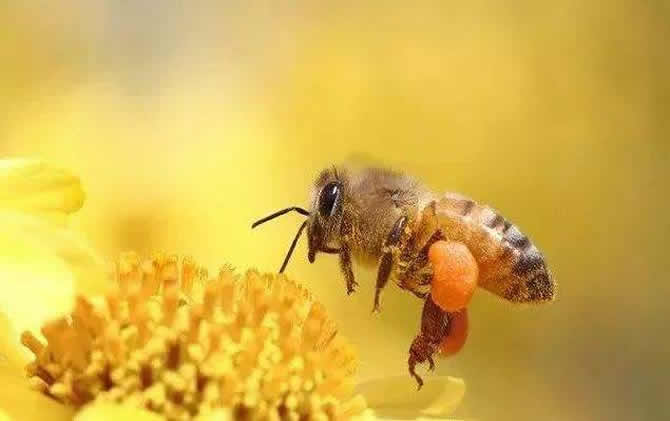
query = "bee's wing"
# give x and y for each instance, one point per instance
(510, 266)
(363, 160)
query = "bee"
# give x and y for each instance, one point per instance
(386, 219)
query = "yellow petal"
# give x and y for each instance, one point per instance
(26, 236)
(11, 357)
(41, 267)
(36, 284)
(19, 403)
(33, 186)
(35, 200)
(110, 411)
(397, 397)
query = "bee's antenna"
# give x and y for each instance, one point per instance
(290, 249)
(300, 210)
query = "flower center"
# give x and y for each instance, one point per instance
(174, 341)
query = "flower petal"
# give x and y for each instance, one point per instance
(35, 201)
(19, 402)
(36, 284)
(42, 265)
(32, 186)
(10, 356)
(397, 397)
(111, 411)
(40, 236)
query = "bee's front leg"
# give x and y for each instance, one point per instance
(347, 271)
(386, 264)
(434, 327)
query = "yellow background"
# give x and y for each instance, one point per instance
(186, 123)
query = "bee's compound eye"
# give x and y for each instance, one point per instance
(328, 199)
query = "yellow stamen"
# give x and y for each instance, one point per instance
(171, 341)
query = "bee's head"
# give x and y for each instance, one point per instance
(324, 216)
(323, 227)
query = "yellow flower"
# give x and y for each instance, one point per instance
(38, 251)
(174, 341)
(170, 342)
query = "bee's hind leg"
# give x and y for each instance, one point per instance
(386, 264)
(434, 327)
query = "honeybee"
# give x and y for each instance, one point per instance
(383, 218)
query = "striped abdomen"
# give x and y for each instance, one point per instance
(510, 266)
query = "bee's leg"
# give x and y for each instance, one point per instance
(345, 266)
(434, 327)
(383, 274)
(414, 359)
(386, 264)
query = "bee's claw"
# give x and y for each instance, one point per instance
(419, 380)
(377, 308)
(412, 372)
(431, 364)
(351, 287)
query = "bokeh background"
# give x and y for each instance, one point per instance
(187, 122)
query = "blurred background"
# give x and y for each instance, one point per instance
(186, 123)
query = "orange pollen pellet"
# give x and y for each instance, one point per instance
(455, 273)
(458, 333)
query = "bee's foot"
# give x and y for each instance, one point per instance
(377, 307)
(415, 358)
(412, 372)
(431, 364)
(351, 287)
(419, 381)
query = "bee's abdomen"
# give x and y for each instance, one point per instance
(510, 265)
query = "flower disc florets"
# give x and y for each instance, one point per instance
(173, 340)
